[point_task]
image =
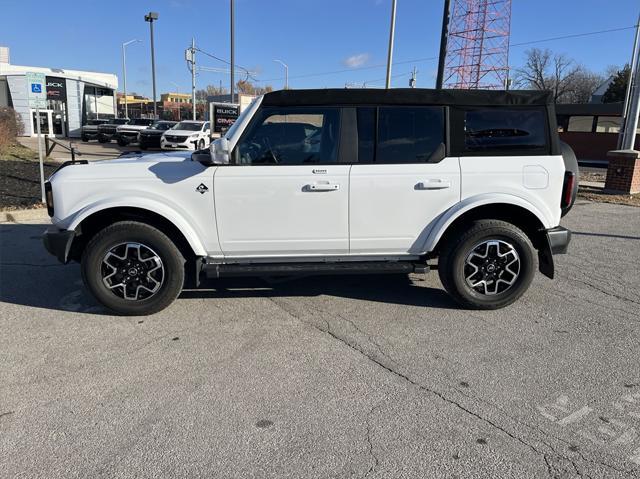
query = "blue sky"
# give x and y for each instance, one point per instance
(313, 37)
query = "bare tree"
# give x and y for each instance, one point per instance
(558, 73)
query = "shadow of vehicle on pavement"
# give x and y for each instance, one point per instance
(31, 277)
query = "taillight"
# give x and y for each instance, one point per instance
(567, 189)
(48, 194)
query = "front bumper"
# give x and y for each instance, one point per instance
(58, 242)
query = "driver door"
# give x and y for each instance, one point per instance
(285, 193)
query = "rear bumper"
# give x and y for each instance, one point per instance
(58, 242)
(559, 239)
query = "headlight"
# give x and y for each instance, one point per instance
(195, 135)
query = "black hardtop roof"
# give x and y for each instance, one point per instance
(406, 96)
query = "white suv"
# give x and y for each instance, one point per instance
(187, 135)
(330, 181)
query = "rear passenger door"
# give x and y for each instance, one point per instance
(403, 179)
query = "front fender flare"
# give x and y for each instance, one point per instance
(440, 225)
(148, 204)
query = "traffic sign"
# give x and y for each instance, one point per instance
(36, 91)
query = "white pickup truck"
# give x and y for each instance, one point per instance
(329, 181)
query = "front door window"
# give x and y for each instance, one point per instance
(291, 136)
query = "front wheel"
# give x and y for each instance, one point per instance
(488, 266)
(201, 145)
(133, 268)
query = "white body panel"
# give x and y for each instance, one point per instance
(282, 210)
(537, 180)
(161, 183)
(391, 205)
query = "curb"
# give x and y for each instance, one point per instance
(17, 216)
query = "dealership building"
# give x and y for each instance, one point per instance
(73, 97)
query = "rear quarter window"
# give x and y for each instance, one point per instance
(505, 131)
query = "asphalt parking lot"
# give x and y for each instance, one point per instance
(327, 377)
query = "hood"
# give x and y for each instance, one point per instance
(132, 127)
(182, 132)
(163, 166)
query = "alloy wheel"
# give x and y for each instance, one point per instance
(132, 271)
(492, 267)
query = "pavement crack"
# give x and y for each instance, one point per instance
(372, 454)
(6, 413)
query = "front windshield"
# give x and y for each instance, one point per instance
(183, 125)
(161, 125)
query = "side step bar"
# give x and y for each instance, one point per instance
(215, 270)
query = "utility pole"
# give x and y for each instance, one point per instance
(443, 44)
(151, 17)
(392, 31)
(414, 78)
(233, 63)
(124, 75)
(626, 141)
(193, 76)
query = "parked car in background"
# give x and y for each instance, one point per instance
(187, 135)
(127, 134)
(107, 131)
(90, 129)
(329, 181)
(150, 137)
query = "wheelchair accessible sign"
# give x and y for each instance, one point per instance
(36, 90)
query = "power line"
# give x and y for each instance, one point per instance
(420, 60)
(247, 72)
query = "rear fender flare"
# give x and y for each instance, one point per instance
(445, 220)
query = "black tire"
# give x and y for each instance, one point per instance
(102, 139)
(201, 144)
(122, 142)
(85, 138)
(453, 268)
(124, 232)
(143, 146)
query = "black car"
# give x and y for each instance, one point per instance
(90, 129)
(150, 137)
(107, 131)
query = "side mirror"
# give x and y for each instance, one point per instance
(216, 154)
(220, 151)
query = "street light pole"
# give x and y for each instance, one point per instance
(150, 17)
(124, 75)
(632, 97)
(391, 36)
(286, 73)
(233, 63)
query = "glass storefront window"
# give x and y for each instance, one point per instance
(580, 123)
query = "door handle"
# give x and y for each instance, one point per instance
(434, 184)
(321, 186)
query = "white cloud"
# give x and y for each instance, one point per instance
(358, 60)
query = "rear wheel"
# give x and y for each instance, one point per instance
(488, 266)
(133, 268)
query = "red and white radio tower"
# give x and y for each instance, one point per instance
(478, 44)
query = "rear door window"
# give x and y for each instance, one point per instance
(505, 130)
(389, 135)
(409, 134)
